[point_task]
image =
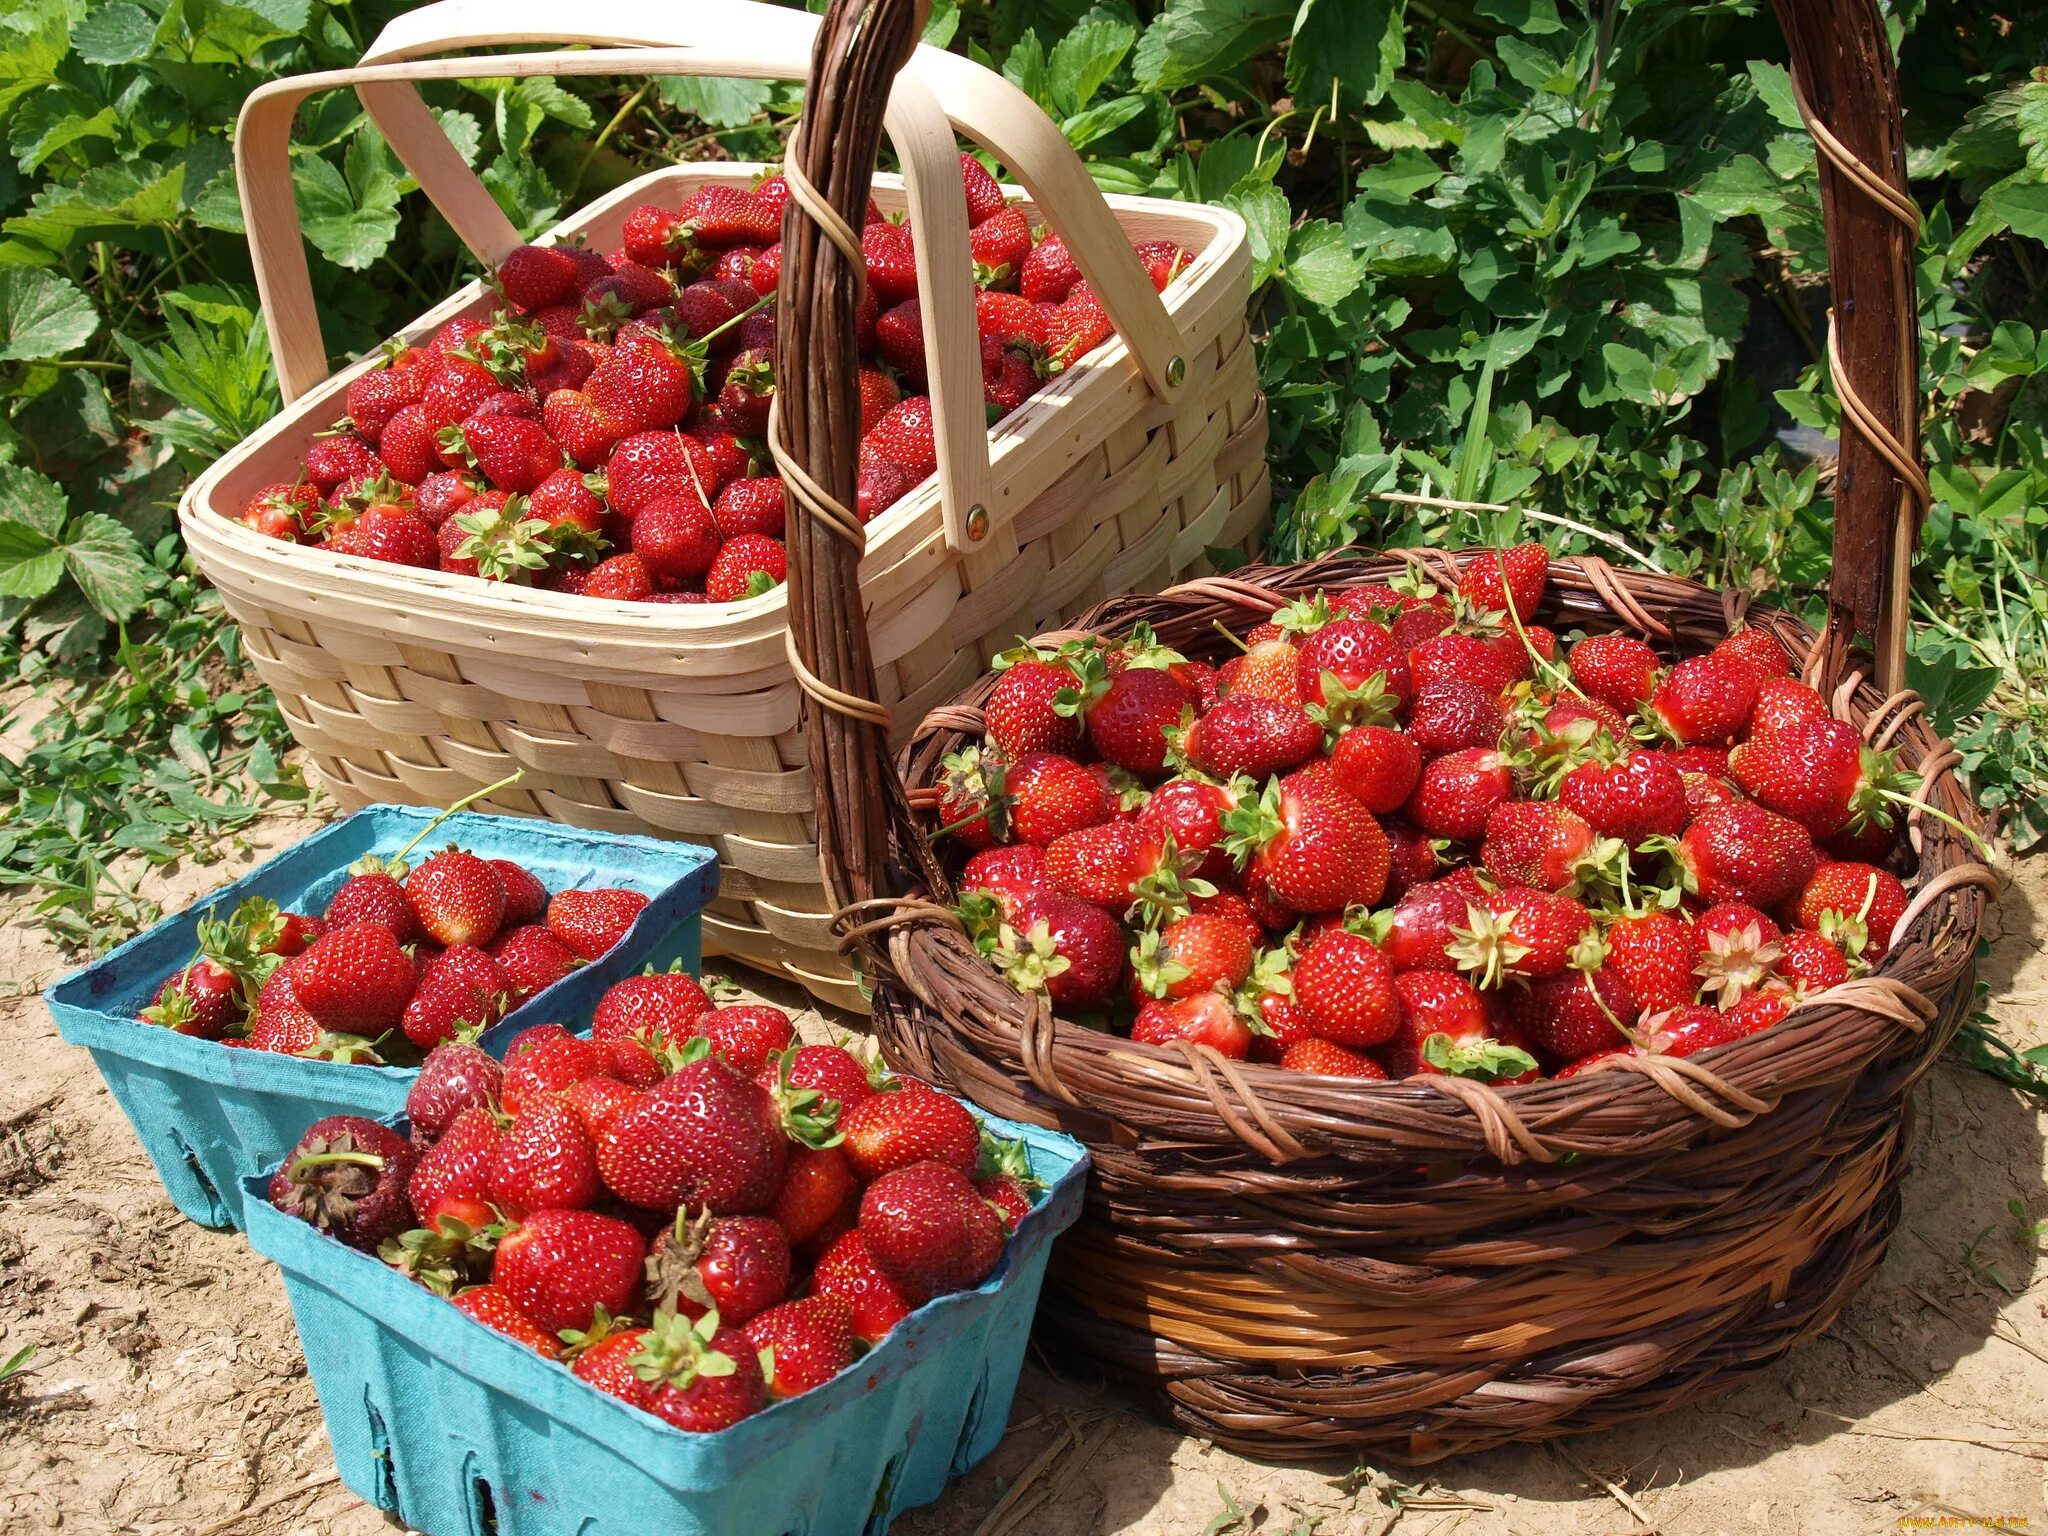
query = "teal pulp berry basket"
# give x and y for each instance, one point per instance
(459, 1431)
(209, 1116)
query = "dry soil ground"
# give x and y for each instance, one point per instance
(169, 1395)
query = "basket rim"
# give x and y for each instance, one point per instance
(906, 531)
(1285, 1115)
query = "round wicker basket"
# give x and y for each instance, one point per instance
(1304, 1265)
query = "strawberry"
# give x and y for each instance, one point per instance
(1202, 952)
(1744, 853)
(1703, 700)
(354, 980)
(575, 515)
(1206, 1018)
(1008, 319)
(512, 452)
(1049, 272)
(802, 1343)
(1549, 846)
(459, 897)
(1164, 261)
(899, 335)
(1758, 647)
(1820, 773)
(816, 1187)
(1811, 962)
(453, 1176)
(332, 460)
(1075, 327)
(1738, 951)
(597, 1102)
(660, 1008)
(1128, 715)
(645, 384)
(1331, 1060)
(526, 899)
(1377, 766)
(1051, 795)
(765, 272)
(559, 1267)
(1518, 932)
(535, 276)
(542, 1065)
(746, 392)
(582, 432)
(1412, 860)
(1574, 1013)
(891, 263)
(544, 1161)
(454, 1077)
(1467, 657)
(757, 505)
(1510, 580)
(490, 1306)
(374, 398)
(887, 1131)
(1190, 811)
(1436, 1003)
(1782, 705)
(203, 1000)
(904, 436)
(999, 245)
(928, 1231)
(1420, 932)
(1315, 852)
(848, 1271)
(459, 989)
(628, 289)
(737, 1266)
(1654, 953)
(970, 797)
(1021, 714)
(591, 922)
(1011, 876)
(747, 566)
(1352, 673)
(833, 1072)
(1110, 864)
(878, 392)
(1453, 715)
(676, 537)
(1758, 1012)
(703, 1136)
(1346, 987)
(347, 1176)
(1269, 669)
(747, 1035)
(1857, 906)
(281, 511)
(1635, 797)
(1457, 792)
(1251, 736)
(622, 578)
(984, 193)
(604, 1355)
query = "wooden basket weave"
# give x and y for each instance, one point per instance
(682, 721)
(1304, 1265)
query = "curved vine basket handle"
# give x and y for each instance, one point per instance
(1847, 85)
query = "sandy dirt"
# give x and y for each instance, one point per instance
(168, 1394)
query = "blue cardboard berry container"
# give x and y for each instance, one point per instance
(459, 1431)
(209, 1115)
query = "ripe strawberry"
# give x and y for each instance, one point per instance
(747, 1035)
(887, 1131)
(544, 1161)
(747, 391)
(891, 263)
(1412, 860)
(676, 537)
(904, 435)
(1052, 795)
(535, 276)
(453, 1176)
(1130, 714)
(1811, 962)
(849, 1272)
(1821, 774)
(1518, 932)
(1465, 657)
(1011, 876)
(928, 1231)
(1352, 673)
(1346, 987)
(354, 980)
(1049, 273)
(1314, 852)
(984, 194)
(737, 1266)
(660, 1008)
(374, 398)
(999, 245)
(512, 452)
(816, 1186)
(835, 1073)
(203, 1000)
(899, 335)
(1457, 793)
(1420, 931)
(1164, 261)
(347, 1176)
(459, 897)
(1574, 1013)
(453, 1078)
(1378, 766)
(622, 578)
(1497, 581)
(1738, 951)
(628, 289)
(703, 1136)
(559, 1267)
(1252, 736)
(1654, 953)
(1636, 797)
(1745, 853)
(1758, 647)
(1758, 1012)
(591, 922)
(459, 989)
(1021, 716)
(1704, 699)
(330, 461)
(545, 1064)
(746, 566)
(1782, 705)
(1547, 845)
(582, 432)
(970, 797)
(1190, 811)
(604, 1355)
(1453, 715)
(1075, 327)
(1856, 905)
(1206, 1018)
(1202, 952)
(1331, 1060)
(646, 384)
(802, 1343)
(281, 511)
(494, 1309)
(1571, 726)
(757, 506)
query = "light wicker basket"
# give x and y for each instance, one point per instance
(408, 685)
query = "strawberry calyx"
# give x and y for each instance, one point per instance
(1252, 823)
(1345, 707)
(1029, 960)
(244, 945)
(807, 1117)
(1880, 784)
(1091, 682)
(1165, 892)
(1145, 651)
(672, 1269)
(678, 1351)
(506, 544)
(1602, 869)
(1127, 790)
(981, 916)
(577, 1341)
(1483, 1061)
(1156, 974)
(443, 1256)
(970, 778)
(1733, 964)
(1304, 616)
(1484, 948)
(602, 316)
(1007, 1159)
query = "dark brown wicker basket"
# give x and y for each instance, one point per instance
(1305, 1265)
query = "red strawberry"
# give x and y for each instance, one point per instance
(1049, 273)
(1346, 987)
(1202, 952)
(1008, 318)
(354, 980)
(1498, 581)
(676, 537)
(1704, 699)
(1639, 796)
(1758, 1012)
(535, 276)
(1457, 793)
(803, 1343)
(835, 1073)
(737, 1266)
(330, 461)
(1206, 1018)
(899, 334)
(545, 1064)
(605, 1355)
(1420, 932)
(999, 245)
(1821, 774)
(1129, 715)
(453, 1176)
(1075, 327)
(747, 1035)
(1654, 953)
(622, 578)
(453, 1078)
(1252, 736)
(281, 511)
(347, 1176)
(1811, 962)
(459, 897)
(747, 566)
(1858, 906)
(887, 1131)
(1270, 669)
(757, 505)
(660, 1008)
(849, 1272)
(1190, 811)
(512, 452)
(1575, 1013)
(970, 797)
(526, 899)
(575, 515)
(703, 1136)
(928, 1231)
(1051, 795)
(1412, 860)
(203, 1000)
(1745, 853)
(591, 922)
(1353, 674)
(1011, 875)
(1331, 1060)
(1758, 647)
(891, 263)
(816, 1187)
(1518, 932)
(559, 1267)
(904, 435)
(461, 988)
(1465, 657)
(1783, 704)
(984, 193)
(374, 398)
(747, 391)
(1314, 852)
(1452, 716)
(1020, 716)
(1547, 845)
(598, 1102)
(494, 1309)
(1164, 261)
(544, 1161)
(1377, 766)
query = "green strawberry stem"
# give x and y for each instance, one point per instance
(463, 804)
(954, 826)
(1225, 631)
(1982, 847)
(1558, 676)
(726, 325)
(321, 1159)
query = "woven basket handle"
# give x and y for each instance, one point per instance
(735, 38)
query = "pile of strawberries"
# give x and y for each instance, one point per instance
(602, 431)
(402, 960)
(1406, 831)
(691, 1209)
